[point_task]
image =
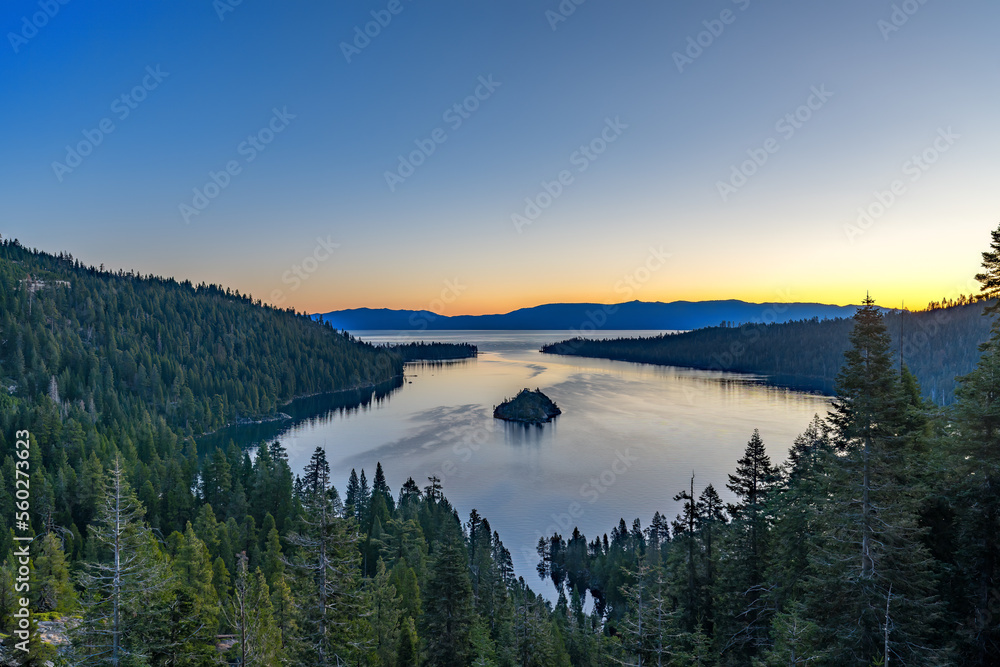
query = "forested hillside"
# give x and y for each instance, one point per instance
(433, 351)
(877, 542)
(938, 345)
(119, 347)
(149, 552)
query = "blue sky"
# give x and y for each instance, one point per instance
(311, 221)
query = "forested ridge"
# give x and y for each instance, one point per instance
(876, 542)
(420, 351)
(938, 345)
(122, 347)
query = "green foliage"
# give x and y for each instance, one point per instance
(937, 344)
(52, 587)
(528, 407)
(448, 606)
(385, 615)
(408, 652)
(124, 583)
(432, 351)
(250, 616)
(879, 531)
(125, 344)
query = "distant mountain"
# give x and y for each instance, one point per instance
(584, 317)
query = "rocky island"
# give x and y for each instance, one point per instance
(528, 407)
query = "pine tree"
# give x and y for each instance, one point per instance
(684, 528)
(352, 497)
(865, 410)
(217, 481)
(796, 506)
(975, 463)
(711, 518)
(52, 587)
(363, 508)
(327, 581)
(316, 471)
(249, 540)
(193, 605)
(796, 640)
(273, 561)
(743, 619)
(751, 483)
(539, 643)
(871, 584)
(385, 615)
(408, 652)
(448, 605)
(404, 580)
(250, 615)
(12, 641)
(482, 647)
(221, 580)
(285, 613)
(989, 278)
(649, 630)
(380, 487)
(658, 537)
(409, 493)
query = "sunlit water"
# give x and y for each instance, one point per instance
(629, 438)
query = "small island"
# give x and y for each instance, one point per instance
(528, 407)
(434, 351)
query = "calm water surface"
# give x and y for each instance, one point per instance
(629, 438)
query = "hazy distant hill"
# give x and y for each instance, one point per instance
(584, 317)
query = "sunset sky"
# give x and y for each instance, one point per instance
(706, 150)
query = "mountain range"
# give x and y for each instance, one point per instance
(583, 317)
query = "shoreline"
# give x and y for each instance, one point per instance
(284, 416)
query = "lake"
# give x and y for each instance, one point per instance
(629, 438)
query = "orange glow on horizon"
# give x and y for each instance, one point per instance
(910, 299)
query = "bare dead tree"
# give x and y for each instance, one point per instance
(119, 585)
(258, 641)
